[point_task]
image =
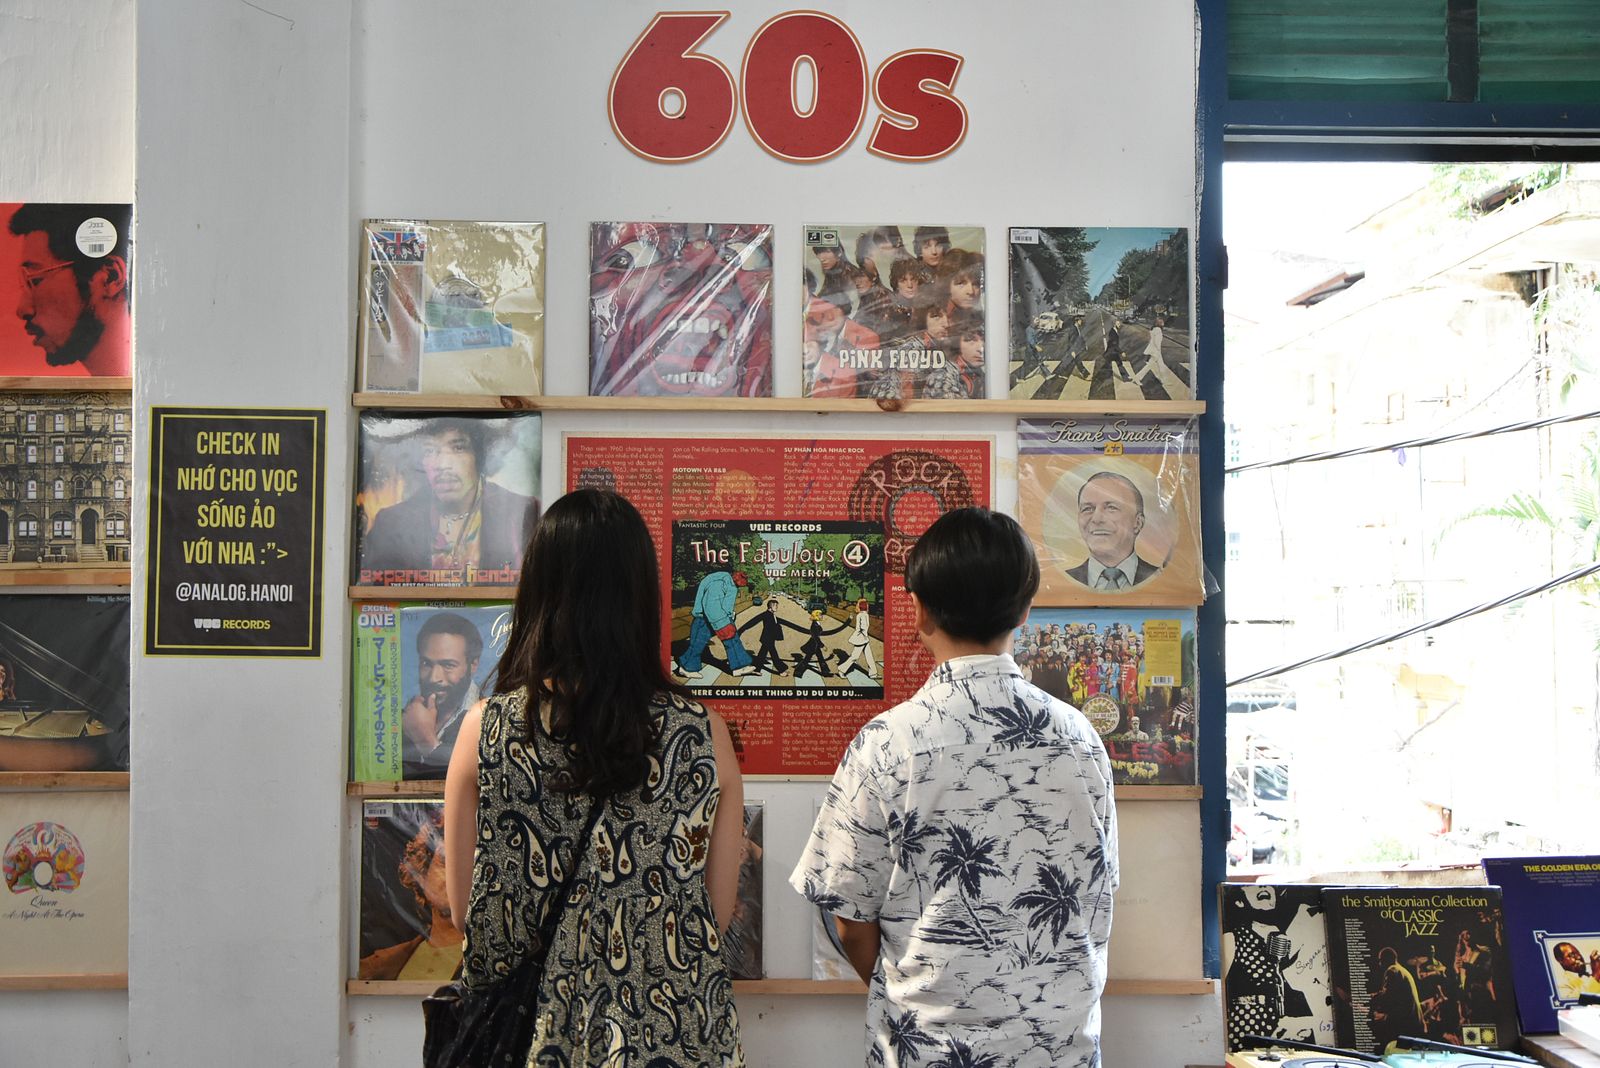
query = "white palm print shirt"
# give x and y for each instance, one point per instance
(975, 823)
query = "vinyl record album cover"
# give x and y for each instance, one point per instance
(405, 930)
(1113, 508)
(63, 683)
(1100, 313)
(1276, 979)
(446, 500)
(64, 910)
(1552, 909)
(782, 564)
(66, 290)
(1131, 672)
(418, 670)
(680, 309)
(1426, 961)
(894, 312)
(68, 490)
(742, 942)
(451, 307)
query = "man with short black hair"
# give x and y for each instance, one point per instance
(967, 848)
(73, 292)
(449, 648)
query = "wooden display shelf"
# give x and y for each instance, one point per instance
(88, 981)
(408, 788)
(1559, 1051)
(817, 405)
(65, 384)
(1115, 988)
(65, 576)
(433, 593)
(63, 780)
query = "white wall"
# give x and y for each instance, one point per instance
(66, 133)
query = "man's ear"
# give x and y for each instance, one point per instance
(110, 279)
(921, 618)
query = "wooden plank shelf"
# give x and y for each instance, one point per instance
(816, 405)
(88, 981)
(408, 788)
(28, 575)
(63, 780)
(65, 384)
(809, 987)
(433, 593)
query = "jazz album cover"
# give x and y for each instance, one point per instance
(1131, 672)
(64, 910)
(66, 290)
(680, 309)
(1276, 979)
(63, 683)
(1113, 507)
(418, 669)
(405, 930)
(894, 312)
(67, 489)
(1100, 313)
(451, 307)
(1427, 961)
(445, 500)
(1552, 907)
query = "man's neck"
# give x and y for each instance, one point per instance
(110, 355)
(944, 647)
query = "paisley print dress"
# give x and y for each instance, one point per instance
(635, 977)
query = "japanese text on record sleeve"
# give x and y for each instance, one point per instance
(783, 603)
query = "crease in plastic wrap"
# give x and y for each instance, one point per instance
(1100, 313)
(445, 500)
(742, 945)
(680, 309)
(451, 307)
(1112, 505)
(405, 926)
(894, 312)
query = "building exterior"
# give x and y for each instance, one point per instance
(66, 478)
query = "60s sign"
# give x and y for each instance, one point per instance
(671, 103)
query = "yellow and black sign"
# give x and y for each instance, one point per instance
(236, 500)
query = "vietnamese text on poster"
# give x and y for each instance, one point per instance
(782, 565)
(235, 532)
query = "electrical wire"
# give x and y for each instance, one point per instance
(1414, 443)
(1432, 624)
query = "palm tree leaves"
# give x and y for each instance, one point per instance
(965, 860)
(960, 1055)
(907, 1038)
(1054, 903)
(1020, 724)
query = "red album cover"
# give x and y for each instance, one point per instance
(64, 276)
(782, 565)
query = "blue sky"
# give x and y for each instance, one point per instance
(1114, 241)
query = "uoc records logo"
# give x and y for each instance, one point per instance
(43, 856)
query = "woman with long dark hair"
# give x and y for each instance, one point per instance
(585, 715)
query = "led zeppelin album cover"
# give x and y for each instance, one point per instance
(451, 307)
(893, 312)
(1131, 672)
(446, 500)
(418, 669)
(65, 906)
(1113, 508)
(405, 930)
(782, 562)
(1100, 313)
(63, 683)
(66, 290)
(680, 309)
